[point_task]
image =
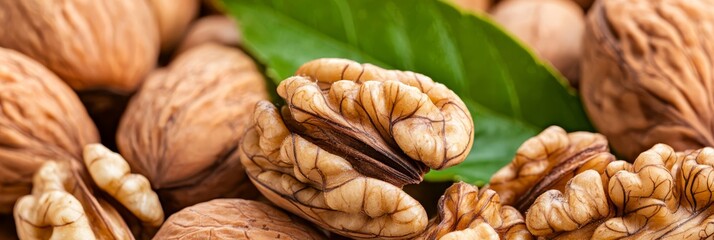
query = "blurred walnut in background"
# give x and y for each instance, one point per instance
(173, 18)
(90, 45)
(552, 28)
(647, 73)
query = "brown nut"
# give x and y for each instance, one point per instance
(466, 213)
(648, 62)
(211, 29)
(548, 161)
(182, 129)
(173, 18)
(235, 219)
(41, 119)
(62, 207)
(477, 6)
(89, 44)
(341, 150)
(662, 195)
(553, 28)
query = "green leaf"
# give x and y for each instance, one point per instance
(511, 94)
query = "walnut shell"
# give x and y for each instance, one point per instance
(647, 73)
(183, 127)
(173, 18)
(350, 136)
(235, 219)
(211, 29)
(82, 41)
(553, 28)
(662, 195)
(41, 119)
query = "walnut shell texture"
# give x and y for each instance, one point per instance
(82, 42)
(173, 18)
(235, 219)
(183, 127)
(41, 119)
(647, 73)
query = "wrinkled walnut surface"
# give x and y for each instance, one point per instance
(663, 195)
(82, 42)
(41, 119)
(650, 63)
(466, 213)
(61, 206)
(548, 161)
(340, 151)
(235, 219)
(182, 129)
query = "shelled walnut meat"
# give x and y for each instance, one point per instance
(41, 119)
(183, 127)
(466, 213)
(647, 73)
(90, 44)
(235, 219)
(350, 136)
(548, 161)
(662, 195)
(63, 206)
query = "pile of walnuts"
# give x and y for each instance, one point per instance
(195, 149)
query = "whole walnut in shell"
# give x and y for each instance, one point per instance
(662, 195)
(173, 18)
(211, 29)
(88, 44)
(183, 127)
(350, 136)
(235, 219)
(647, 73)
(41, 119)
(553, 28)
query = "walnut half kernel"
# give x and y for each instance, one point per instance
(349, 138)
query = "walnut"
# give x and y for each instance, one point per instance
(649, 63)
(553, 28)
(340, 151)
(173, 17)
(235, 219)
(548, 161)
(62, 206)
(663, 195)
(41, 119)
(216, 29)
(476, 6)
(466, 213)
(183, 127)
(82, 42)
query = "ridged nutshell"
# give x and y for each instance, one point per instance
(88, 44)
(41, 119)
